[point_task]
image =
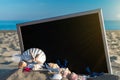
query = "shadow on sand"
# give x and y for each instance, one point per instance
(5, 73)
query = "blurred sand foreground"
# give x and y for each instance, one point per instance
(9, 46)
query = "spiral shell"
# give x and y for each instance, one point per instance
(31, 53)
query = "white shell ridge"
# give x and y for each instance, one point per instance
(31, 53)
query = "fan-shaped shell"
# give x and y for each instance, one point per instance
(31, 53)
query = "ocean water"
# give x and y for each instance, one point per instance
(112, 25)
(11, 25)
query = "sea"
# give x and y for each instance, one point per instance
(11, 25)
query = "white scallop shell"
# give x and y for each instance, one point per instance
(31, 53)
(56, 77)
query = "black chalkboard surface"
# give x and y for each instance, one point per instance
(79, 38)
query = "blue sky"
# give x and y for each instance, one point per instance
(38, 9)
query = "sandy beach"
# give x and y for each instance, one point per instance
(9, 46)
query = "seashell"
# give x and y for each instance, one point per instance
(53, 65)
(22, 64)
(37, 67)
(56, 77)
(34, 53)
(65, 72)
(73, 76)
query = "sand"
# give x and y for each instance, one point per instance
(9, 46)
